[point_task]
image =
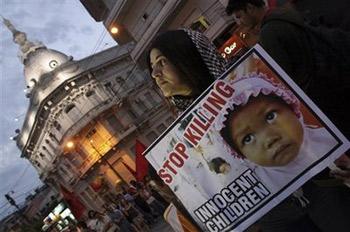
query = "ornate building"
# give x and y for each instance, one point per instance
(84, 116)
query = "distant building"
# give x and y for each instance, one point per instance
(39, 204)
(84, 116)
(31, 213)
(11, 223)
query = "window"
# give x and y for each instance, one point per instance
(57, 126)
(52, 136)
(169, 120)
(119, 80)
(200, 25)
(120, 84)
(151, 136)
(89, 93)
(132, 114)
(141, 105)
(161, 128)
(114, 123)
(91, 133)
(144, 16)
(69, 108)
(62, 170)
(150, 98)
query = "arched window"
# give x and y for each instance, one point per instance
(90, 93)
(69, 108)
(57, 126)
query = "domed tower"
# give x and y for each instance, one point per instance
(84, 116)
(37, 59)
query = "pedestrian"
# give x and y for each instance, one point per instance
(117, 217)
(134, 216)
(291, 44)
(183, 63)
(149, 184)
(98, 222)
(323, 75)
(156, 207)
(140, 203)
(82, 227)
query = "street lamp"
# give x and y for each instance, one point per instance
(70, 145)
(114, 30)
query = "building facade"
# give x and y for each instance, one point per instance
(138, 21)
(84, 116)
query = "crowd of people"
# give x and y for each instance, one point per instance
(135, 209)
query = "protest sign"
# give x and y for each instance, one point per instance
(248, 142)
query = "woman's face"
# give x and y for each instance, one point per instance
(267, 132)
(167, 76)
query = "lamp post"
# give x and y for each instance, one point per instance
(70, 145)
(105, 160)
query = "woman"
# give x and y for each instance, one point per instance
(181, 79)
(183, 63)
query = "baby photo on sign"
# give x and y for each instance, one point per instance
(250, 140)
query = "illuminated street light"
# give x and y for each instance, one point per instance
(70, 144)
(114, 30)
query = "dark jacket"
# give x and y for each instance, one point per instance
(285, 37)
(321, 71)
(287, 43)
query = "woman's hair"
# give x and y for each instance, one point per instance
(236, 5)
(92, 214)
(179, 49)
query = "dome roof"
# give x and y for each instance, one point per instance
(42, 61)
(37, 59)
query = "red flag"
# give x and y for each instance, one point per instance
(73, 202)
(141, 162)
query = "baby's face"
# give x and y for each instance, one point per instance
(267, 132)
